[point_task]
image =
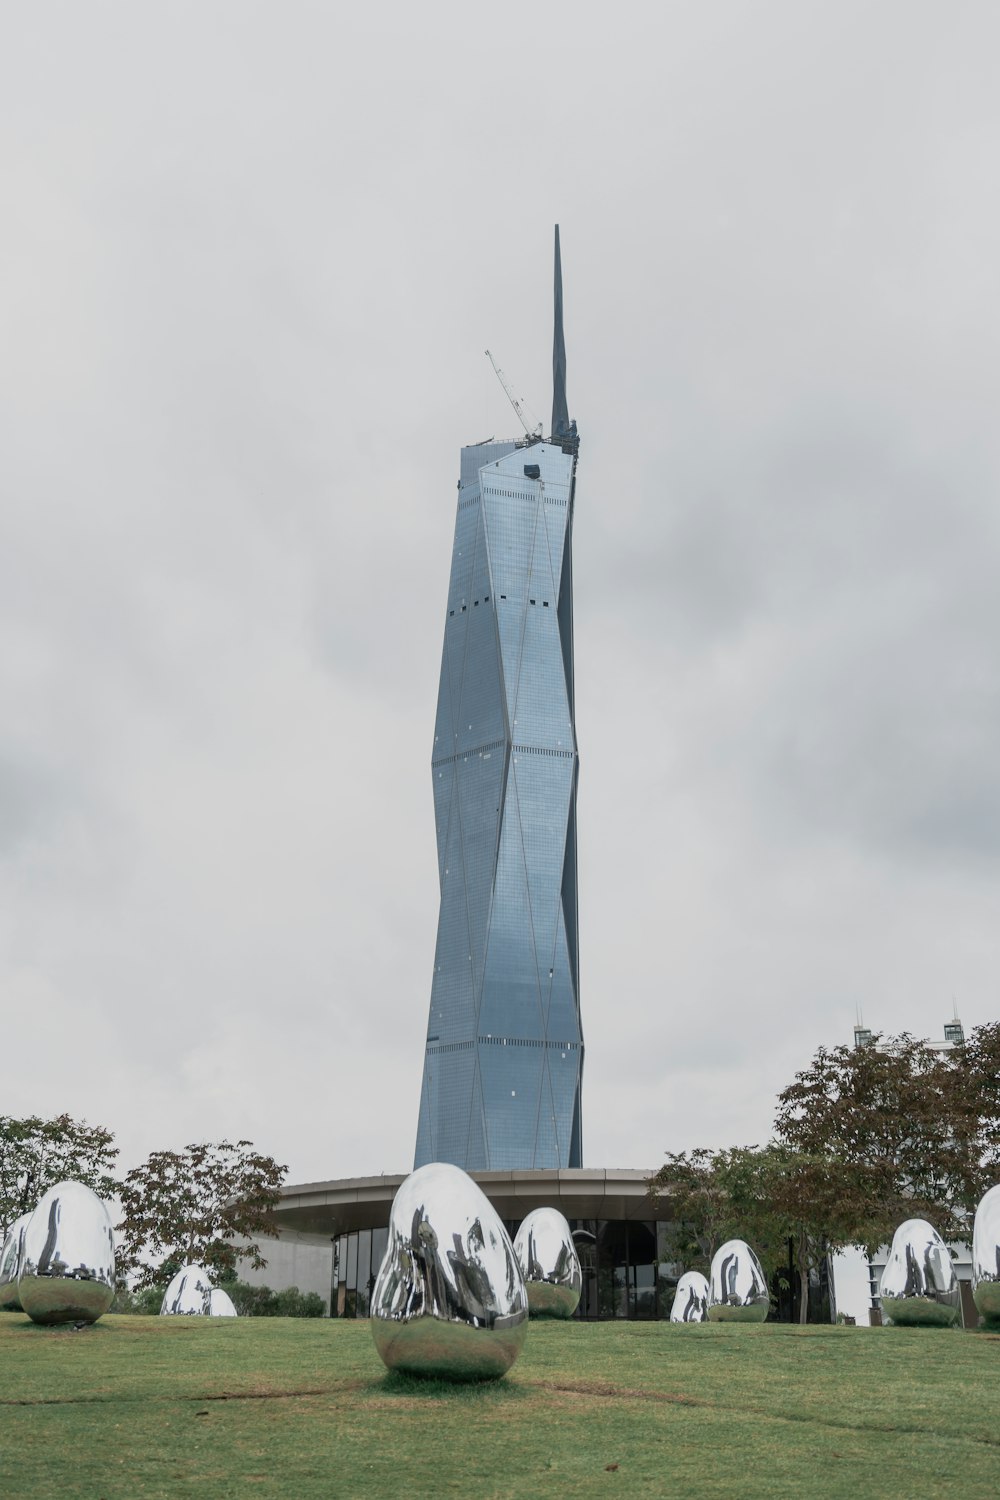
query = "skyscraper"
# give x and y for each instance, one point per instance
(504, 1054)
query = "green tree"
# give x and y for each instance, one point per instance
(769, 1196)
(717, 1196)
(699, 1203)
(976, 1110)
(204, 1204)
(35, 1154)
(822, 1203)
(905, 1116)
(865, 1137)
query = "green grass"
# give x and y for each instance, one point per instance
(292, 1407)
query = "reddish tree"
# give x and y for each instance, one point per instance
(203, 1204)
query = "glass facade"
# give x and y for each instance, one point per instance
(504, 1052)
(356, 1261)
(623, 1274)
(627, 1273)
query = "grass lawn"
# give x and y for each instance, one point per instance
(302, 1408)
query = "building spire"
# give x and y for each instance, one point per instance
(560, 411)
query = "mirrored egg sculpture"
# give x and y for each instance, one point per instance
(985, 1256)
(737, 1291)
(67, 1272)
(10, 1262)
(192, 1295)
(549, 1264)
(449, 1300)
(690, 1304)
(919, 1285)
(188, 1294)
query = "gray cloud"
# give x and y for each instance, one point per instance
(251, 262)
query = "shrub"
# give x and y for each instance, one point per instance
(262, 1302)
(249, 1301)
(144, 1303)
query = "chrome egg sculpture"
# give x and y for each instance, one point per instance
(690, 1304)
(67, 1272)
(737, 1290)
(549, 1264)
(188, 1294)
(919, 1286)
(191, 1294)
(10, 1263)
(220, 1304)
(449, 1300)
(985, 1256)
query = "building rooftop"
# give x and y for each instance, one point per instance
(954, 1036)
(347, 1203)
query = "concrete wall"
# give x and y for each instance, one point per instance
(302, 1260)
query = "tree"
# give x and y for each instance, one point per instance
(35, 1154)
(699, 1202)
(976, 1112)
(769, 1196)
(822, 1203)
(865, 1138)
(718, 1196)
(907, 1116)
(202, 1204)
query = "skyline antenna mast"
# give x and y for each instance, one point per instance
(532, 428)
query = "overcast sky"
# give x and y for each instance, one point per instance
(251, 256)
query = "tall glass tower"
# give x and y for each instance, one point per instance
(504, 1056)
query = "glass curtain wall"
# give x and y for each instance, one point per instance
(625, 1270)
(356, 1261)
(627, 1273)
(503, 1064)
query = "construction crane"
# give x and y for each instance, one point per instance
(531, 427)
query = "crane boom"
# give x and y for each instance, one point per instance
(532, 428)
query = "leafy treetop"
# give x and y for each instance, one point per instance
(925, 1124)
(203, 1204)
(865, 1137)
(35, 1154)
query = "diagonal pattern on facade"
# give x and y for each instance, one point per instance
(504, 1051)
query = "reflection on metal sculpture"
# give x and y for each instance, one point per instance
(737, 1285)
(449, 1300)
(220, 1304)
(549, 1264)
(10, 1264)
(191, 1294)
(690, 1299)
(919, 1284)
(67, 1272)
(986, 1256)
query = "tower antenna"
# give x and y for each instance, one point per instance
(560, 411)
